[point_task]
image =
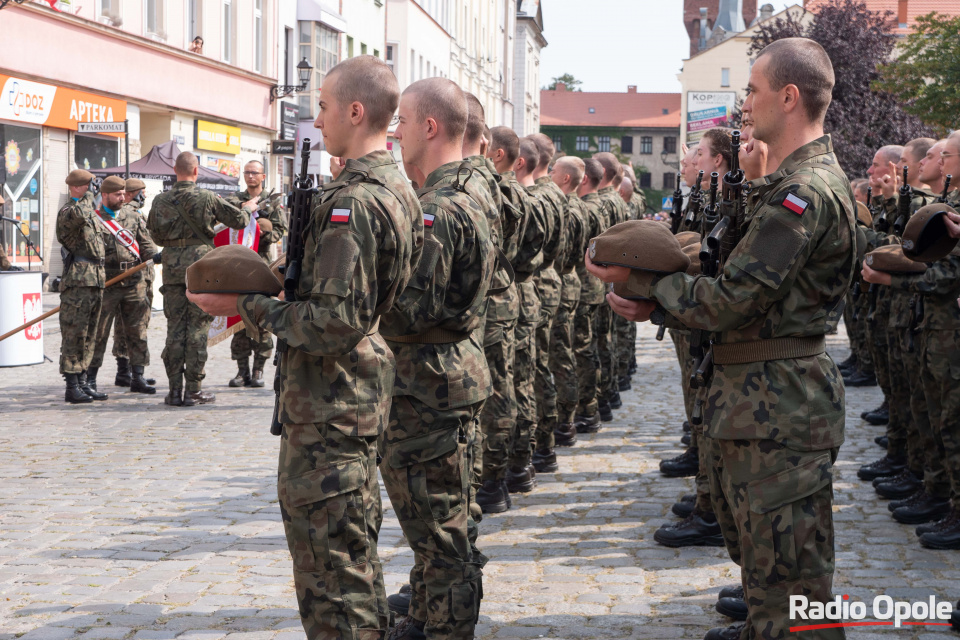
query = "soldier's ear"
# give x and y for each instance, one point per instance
(356, 112)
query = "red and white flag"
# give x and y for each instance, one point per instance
(223, 327)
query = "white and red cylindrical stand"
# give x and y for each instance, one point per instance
(21, 300)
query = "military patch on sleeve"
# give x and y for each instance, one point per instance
(428, 219)
(340, 216)
(795, 203)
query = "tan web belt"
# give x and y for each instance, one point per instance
(431, 336)
(185, 242)
(772, 349)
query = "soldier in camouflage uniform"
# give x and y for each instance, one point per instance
(337, 376)
(127, 243)
(775, 423)
(521, 476)
(549, 286)
(182, 220)
(81, 287)
(587, 320)
(133, 197)
(441, 375)
(272, 223)
(628, 330)
(567, 174)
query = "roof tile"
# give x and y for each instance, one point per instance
(631, 109)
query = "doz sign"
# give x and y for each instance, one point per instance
(39, 103)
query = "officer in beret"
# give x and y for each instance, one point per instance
(81, 286)
(272, 227)
(127, 243)
(134, 196)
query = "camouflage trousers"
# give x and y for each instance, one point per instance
(79, 315)
(242, 345)
(917, 432)
(774, 506)
(524, 375)
(626, 344)
(877, 344)
(899, 394)
(941, 381)
(499, 412)
(562, 365)
(426, 470)
(549, 287)
(119, 340)
(856, 330)
(185, 352)
(681, 342)
(607, 348)
(330, 504)
(588, 359)
(128, 309)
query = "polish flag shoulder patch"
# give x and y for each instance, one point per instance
(795, 203)
(340, 216)
(428, 219)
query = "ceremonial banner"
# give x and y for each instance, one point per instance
(222, 326)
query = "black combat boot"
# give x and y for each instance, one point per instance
(614, 400)
(725, 633)
(408, 629)
(860, 379)
(399, 603)
(256, 378)
(926, 509)
(687, 427)
(684, 507)
(632, 369)
(623, 384)
(565, 434)
(123, 378)
(731, 592)
(174, 397)
(921, 494)
(849, 363)
(683, 466)
(686, 439)
(191, 398)
(588, 424)
(520, 479)
(733, 606)
(493, 497)
(73, 394)
(242, 379)
(605, 412)
(138, 383)
(879, 416)
(882, 441)
(932, 527)
(883, 407)
(545, 461)
(886, 466)
(696, 530)
(946, 536)
(902, 485)
(84, 383)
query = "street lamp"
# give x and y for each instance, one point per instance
(281, 90)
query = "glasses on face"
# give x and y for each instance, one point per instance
(944, 155)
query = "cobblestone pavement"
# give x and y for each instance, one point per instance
(127, 519)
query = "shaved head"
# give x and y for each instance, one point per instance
(369, 81)
(545, 147)
(804, 64)
(185, 163)
(443, 101)
(612, 168)
(891, 153)
(571, 166)
(530, 155)
(506, 139)
(592, 171)
(475, 120)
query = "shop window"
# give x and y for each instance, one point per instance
(21, 182)
(153, 15)
(646, 145)
(95, 152)
(626, 144)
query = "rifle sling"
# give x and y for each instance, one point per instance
(193, 226)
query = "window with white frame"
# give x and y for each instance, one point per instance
(603, 143)
(194, 15)
(557, 142)
(320, 45)
(109, 11)
(258, 35)
(153, 18)
(226, 25)
(390, 56)
(583, 143)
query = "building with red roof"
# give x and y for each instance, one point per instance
(905, 12)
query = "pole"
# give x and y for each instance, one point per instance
(126, 146)
(112, 281)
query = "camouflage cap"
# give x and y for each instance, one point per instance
(78, 178)
(135, 184)
(925, 238)
(232, 268)
(890, 259)
(686, 238)
(112, 184)
(646, 245)
(864, 215)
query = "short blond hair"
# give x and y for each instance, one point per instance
(369, 81)
(442, 100)
(573, 167)
(612, 169)
(545, 146)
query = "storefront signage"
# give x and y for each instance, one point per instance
(39, 103)
(290, 120)
(102, 127)
(708, 109)
(283, 147)
(212, 136)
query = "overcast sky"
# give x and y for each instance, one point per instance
(647, 36)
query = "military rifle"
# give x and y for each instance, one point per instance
(711, 216)
(946, 188)
(694, 202)
(676, 214)
(700, 339)
(903, 205)
(299, 203)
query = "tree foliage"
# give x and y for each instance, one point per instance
(572, 83)
(926, 74)
(861, 118)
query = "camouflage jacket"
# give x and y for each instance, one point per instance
(901, 314)
(554, 203)
(167, 226)
(574, 244)
(448, 291)
(616, 207)
(79, 233)
(271, 209)
(131, 210)
(362, 242)
(118, 257)
(638, 202)
(787, 277)
(484, 168)
(940, 287)
(529, 257)
(592, 289)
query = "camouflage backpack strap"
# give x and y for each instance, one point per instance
(191, 223)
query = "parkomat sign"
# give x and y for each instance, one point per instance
(216, 137)
(39, 103)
